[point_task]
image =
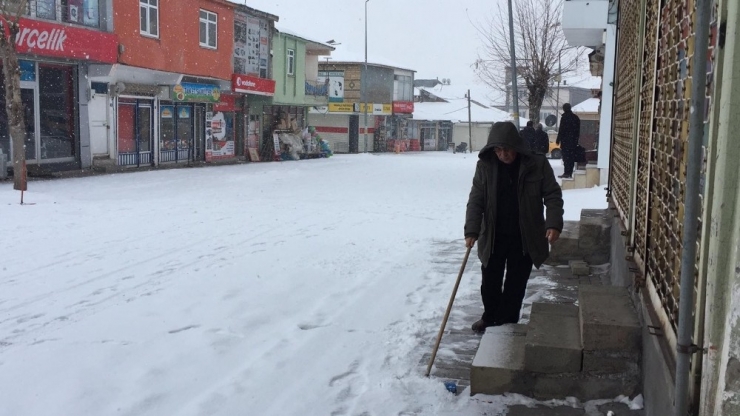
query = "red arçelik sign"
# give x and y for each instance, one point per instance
(252, 85)
(49, 39)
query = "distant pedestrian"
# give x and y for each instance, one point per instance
(529, 136)
(568, 134)
(505, 216)
(542, 140)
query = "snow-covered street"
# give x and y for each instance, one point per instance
(293, 288)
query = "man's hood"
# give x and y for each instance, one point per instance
(504, 134)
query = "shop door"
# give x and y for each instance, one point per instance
(199, 129)
(30, 109)
(144, 133)
(135, 132)
(354, 134)
(98, 111)
(176, 132)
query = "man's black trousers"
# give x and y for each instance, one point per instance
(569, 158)
(502, 299)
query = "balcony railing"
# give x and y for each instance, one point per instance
(317, 88)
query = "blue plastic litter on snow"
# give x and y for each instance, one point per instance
(451, 386)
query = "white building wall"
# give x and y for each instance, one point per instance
(607, 93)
(480, 131)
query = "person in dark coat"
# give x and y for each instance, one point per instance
(568, 134)
(528, 134)
(505, 216)
(542, 140)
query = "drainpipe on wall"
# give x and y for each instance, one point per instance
(632, 210)
(684, 346)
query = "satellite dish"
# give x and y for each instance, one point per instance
(120, 87)
(551, 120)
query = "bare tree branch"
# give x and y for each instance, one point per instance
(542, 53)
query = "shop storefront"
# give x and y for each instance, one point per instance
(189, 101)
(53, 64)
(164, 119)
(253, 90)
(399, 130)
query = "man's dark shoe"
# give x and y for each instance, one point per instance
(564, 176)
(481, 325)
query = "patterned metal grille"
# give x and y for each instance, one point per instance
(624, 107)
(669, 147)
(647, 96)
(663, 98)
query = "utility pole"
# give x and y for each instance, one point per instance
(364, 81)
(470, 126)
(557, 97)
(514, 89)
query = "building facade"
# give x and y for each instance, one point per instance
(168, 99)
(58, 42)
(360, 115)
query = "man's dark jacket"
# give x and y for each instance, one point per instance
(569, 130)
(529, 135)
(536, 186)
(542, 141)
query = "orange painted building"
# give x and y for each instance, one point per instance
(171, 40)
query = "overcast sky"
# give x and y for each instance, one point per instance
(433, 37)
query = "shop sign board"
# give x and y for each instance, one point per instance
(248, 84)
(192, 92)
(227, 103)
(377, 109)
(341, 108)
(403, 107)
(49, 39)
(336, 85)
(219, 137)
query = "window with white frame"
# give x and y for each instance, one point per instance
(208, 29)
(149, 17)
(291, 62)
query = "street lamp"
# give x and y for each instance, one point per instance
(364, 82)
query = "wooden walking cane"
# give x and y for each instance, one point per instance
(447, 314)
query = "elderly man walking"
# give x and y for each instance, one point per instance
(505, 216)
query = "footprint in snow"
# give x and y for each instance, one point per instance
(175, 331)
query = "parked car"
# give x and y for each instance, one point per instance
(555, 152)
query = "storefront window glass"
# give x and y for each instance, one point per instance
(4, 135)
(57, 113)
(46, 9)
(167, 127)
(81, 12)
(145, 128)
(29, 117)
(126, 126)
(184, 127)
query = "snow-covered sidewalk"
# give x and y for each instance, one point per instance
(288, 288)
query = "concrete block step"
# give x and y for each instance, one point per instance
(605, 361)
(579, 179)
(566, 248)
(579, 268)
(568, 184)
(594, 235)
(608, 319)
(585, 386)
(498, 366)
(593, 176)
(553, 341)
